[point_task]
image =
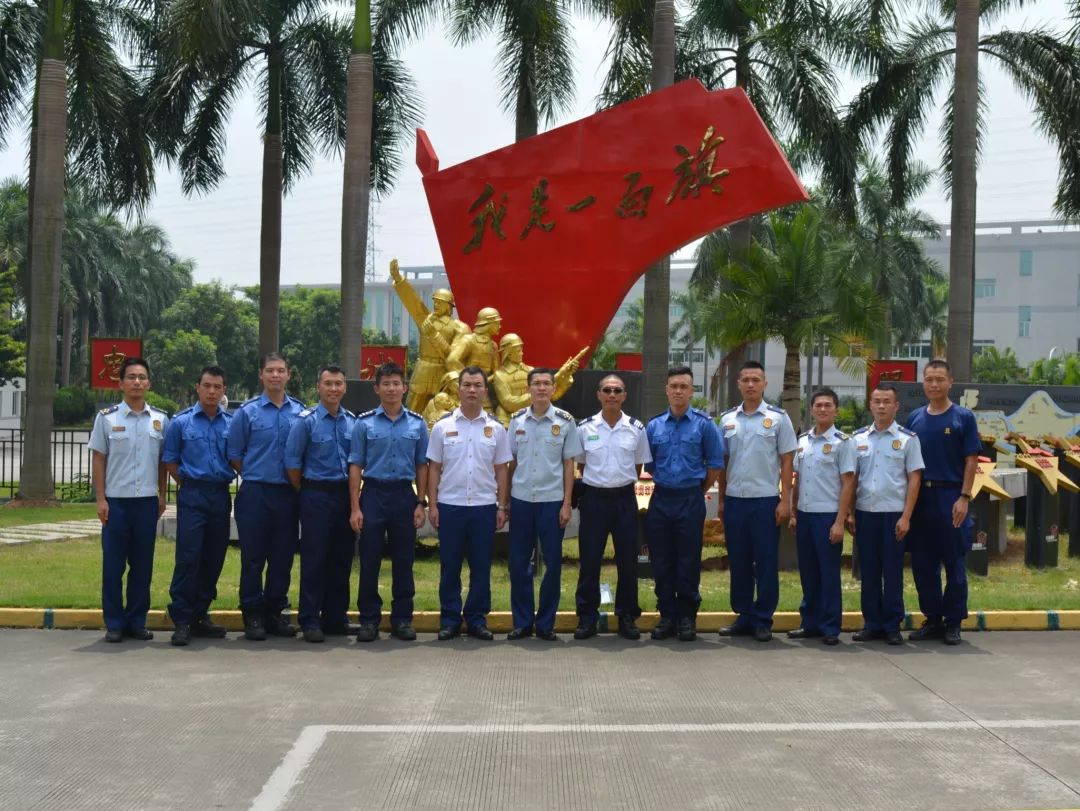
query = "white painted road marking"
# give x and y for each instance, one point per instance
(285, 776)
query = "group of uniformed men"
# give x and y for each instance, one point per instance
(325, 482)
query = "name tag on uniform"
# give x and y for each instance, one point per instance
(451, 433)
(119, 427)
(593, 437)
(520, 432)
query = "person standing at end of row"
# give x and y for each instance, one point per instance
(387, 454)
(266, 506)
(127, 442)
(615, 448)
(756, 491)
(824, 492)
(889, 469)
(317, 462)
(195, 457)
(688, 457)
(941, 529)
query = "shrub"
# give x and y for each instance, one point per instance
(162, 402)
(73, 405)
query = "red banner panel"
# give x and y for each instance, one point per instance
(372, 357)
(106, 355)
(891, 371)
(628, 361)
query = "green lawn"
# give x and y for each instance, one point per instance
(17, 516)
(68, 575)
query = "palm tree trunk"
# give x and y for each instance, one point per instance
(270, 230)
(790, 397)
(654, 355)
(962, 240)
(36, 479)
(356, 191)
(84, 347)
(65, 345)
(809, 378)
(526, 117)
(741, 237)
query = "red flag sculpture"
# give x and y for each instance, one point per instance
(554, 230)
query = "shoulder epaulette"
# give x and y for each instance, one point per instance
(841, 434)
(729, 411)
(413, 413)
(158, 410)
(110, 409)
(519, 413)
(348, 413)
(307, 412)
(657, 416)
(701, 412)
(296, 400)
(444, 416)
(771, 407)
(582, 422)
(249, 401)
(862, 430)
(907, 431)
(804, 436)
(365, 414)
(187, 410)
(637, 423)
(565, 415)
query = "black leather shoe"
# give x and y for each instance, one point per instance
(403, 631)
(276, 625)
(687, 630)
(894, 638)
(586, 628)
(339, 630)
(139, 634)
(314, 634)
(208, 630)
(929, 630)
(520, 633)
(480, 632)
(762, 633)
(952, 635)
(664, 629)
(547, 635)
(736, 629)
(449, 632)
(114, 635)
(254, 629)
(830, 640)
(866, 635)
(367, 633)
(181, 635)
(628, 628)
(802, 633)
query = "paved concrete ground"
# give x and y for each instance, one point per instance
(994, 724)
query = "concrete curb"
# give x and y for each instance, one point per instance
(500, 621)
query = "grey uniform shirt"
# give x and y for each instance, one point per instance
(884, 459)
(755, 442)
(821, 461)
(133, 442)
(540, 445)
(611, 454)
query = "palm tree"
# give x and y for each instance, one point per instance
(1043, 65)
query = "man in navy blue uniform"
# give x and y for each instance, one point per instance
(756, 490)
(387, 454)
(949, 436)
(688, 457)
(127, 442)
(195, 457)
(266, 506)
(317, 462)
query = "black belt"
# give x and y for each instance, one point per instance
(611, 491)
(204, 483)
(661, 488)
(327, 486)
(387, 484)
(940, 483)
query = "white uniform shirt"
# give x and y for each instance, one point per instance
(541, 445)
(133, 441)
(611, 455)
(885, 458)
(821, 462)
(468, 451)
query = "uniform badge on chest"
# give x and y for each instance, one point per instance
(896, 444)
(826, 449)
(767, 422)
(489, 432)
(157, 425)
(555, 429)
(948, 431)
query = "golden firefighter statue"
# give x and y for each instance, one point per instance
(511, 378)
(445, 401)
(477, 348)
(438, 332)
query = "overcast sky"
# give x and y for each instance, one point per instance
(459, 89)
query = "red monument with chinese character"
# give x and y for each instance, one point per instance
(106, 355)
(554, 230)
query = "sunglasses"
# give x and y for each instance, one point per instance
(612, 390)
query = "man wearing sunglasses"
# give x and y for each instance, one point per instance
(615, 447)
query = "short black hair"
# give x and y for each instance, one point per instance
(389, 370)
(539, 370)
(612, 376)
(751, 364)
(269, 356)
(332, 368)
(883, 386)
(939, 363)
(133, 360)
(824, 391)
(472, 370)
(213, 371)
(675, 371)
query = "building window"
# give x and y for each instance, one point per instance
(985, 288)
(1025, 263)
(1025, 321)
(675, 311)
(980, 346)
(699, 356)
(920, 349)
(15, 401)
(698, 388)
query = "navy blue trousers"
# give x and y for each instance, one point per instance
(465, 533)
(327, 544)
(388, 515)
(127, 542)
(529, 522)
(674, 525)
(602, 512)
(202, 538)
(819, 570)
(753, 542)
(266, 519)
(935, 544)
(882, 561)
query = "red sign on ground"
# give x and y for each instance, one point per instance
(553, 231)
(372, 357)
(106, 355)
(891, 371)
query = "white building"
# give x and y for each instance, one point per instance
(12, 403)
